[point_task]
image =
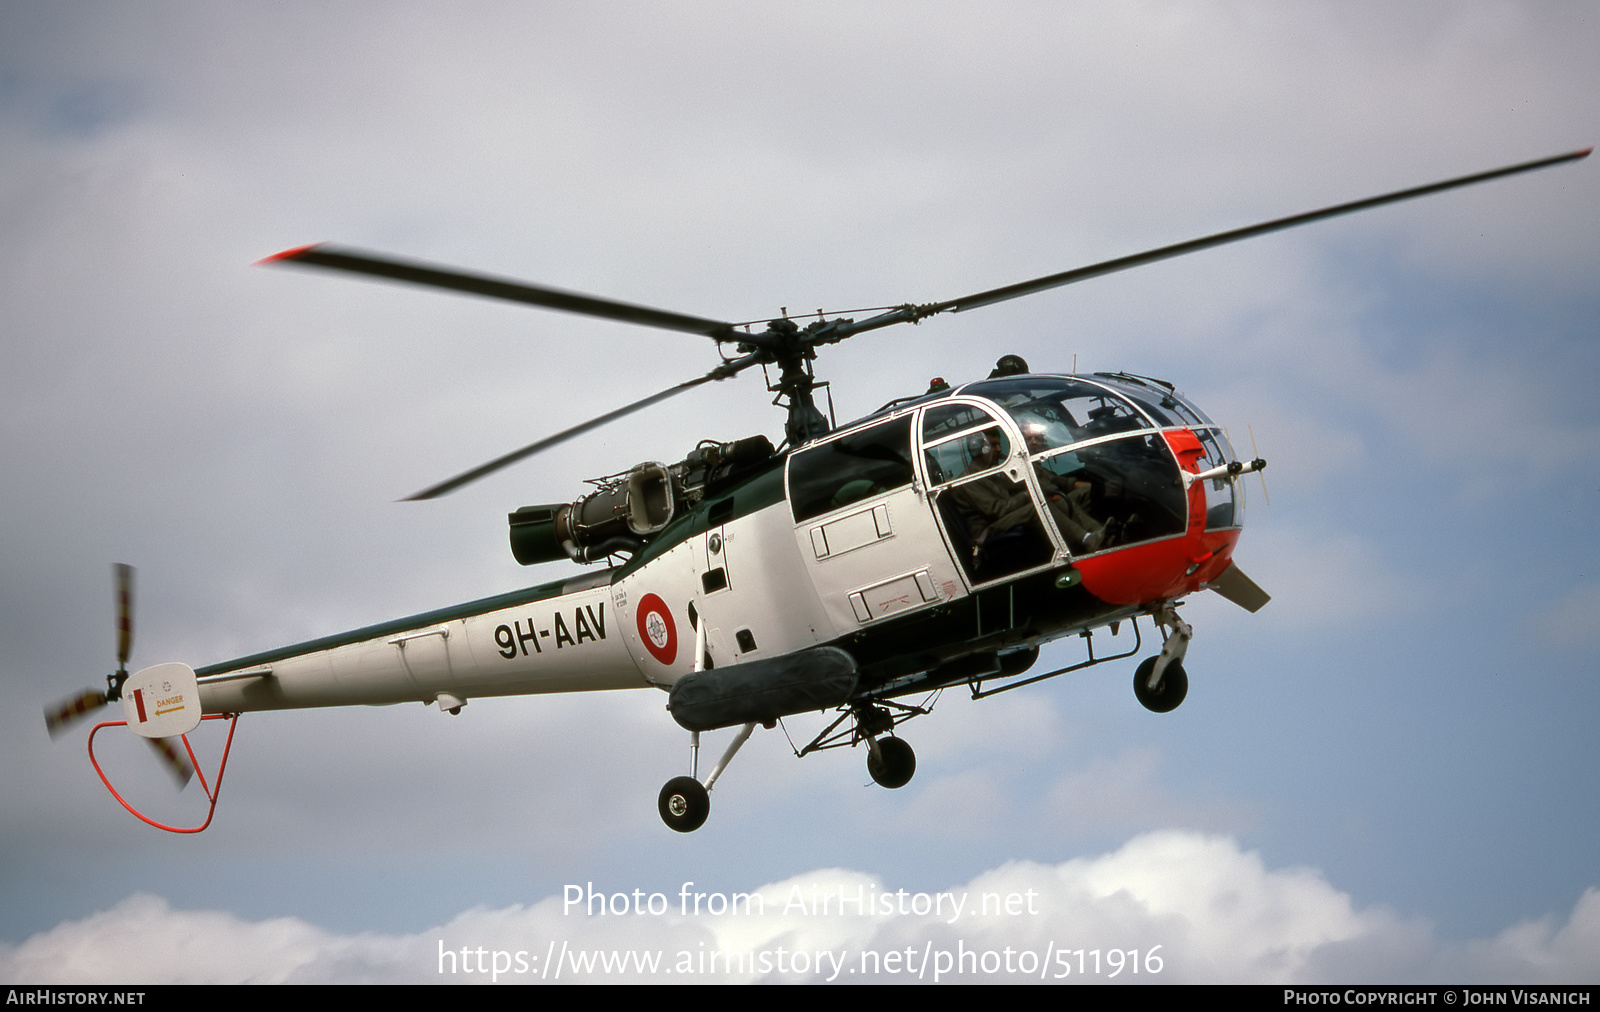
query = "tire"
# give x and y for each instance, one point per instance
(684, 804)
(893, 765)
(1165, 697)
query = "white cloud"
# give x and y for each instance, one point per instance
(142, 939)
(1196, 908)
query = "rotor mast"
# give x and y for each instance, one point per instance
(786, 346)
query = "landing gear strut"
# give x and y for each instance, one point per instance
(890, 761)
(685, 802)
(1160, 683)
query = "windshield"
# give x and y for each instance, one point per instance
(1053, 411)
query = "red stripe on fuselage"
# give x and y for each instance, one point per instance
(1156, 570)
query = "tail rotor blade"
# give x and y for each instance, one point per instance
(1260, 474)
(176, 762)
(122, 574)
(69, 711)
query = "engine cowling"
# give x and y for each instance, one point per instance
(616, 518)
(630, 508)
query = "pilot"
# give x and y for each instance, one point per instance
(1066, 495)
(992, 506)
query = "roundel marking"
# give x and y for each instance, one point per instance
(657, 630)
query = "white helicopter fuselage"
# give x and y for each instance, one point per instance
(871, 539)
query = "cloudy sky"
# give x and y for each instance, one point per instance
(1387, 774)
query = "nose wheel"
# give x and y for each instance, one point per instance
(1167, 693)
(1160, 683)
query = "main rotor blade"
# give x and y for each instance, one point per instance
(721, 372)
(1221, 238)
(411, 272)
(122, 576)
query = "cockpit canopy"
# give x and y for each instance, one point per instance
(1088, 454)
(1057, 411)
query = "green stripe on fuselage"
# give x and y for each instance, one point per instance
(482, 606)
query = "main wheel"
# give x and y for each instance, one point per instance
(893, 764)
(1164, 698)
(684, 804)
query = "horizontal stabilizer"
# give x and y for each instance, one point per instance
(1240, 589)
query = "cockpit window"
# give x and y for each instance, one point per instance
(1222, 502)
(941, 421)
(1185, 414)
(1164, 415)
(1056, 412)
(1157, 398)
(967, 455)
(1115, 493)
(851, 468)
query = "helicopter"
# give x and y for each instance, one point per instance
(939, 541)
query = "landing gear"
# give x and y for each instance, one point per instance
(684, 804)
(1161, 683)
(1167, 693)
(890, 762)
